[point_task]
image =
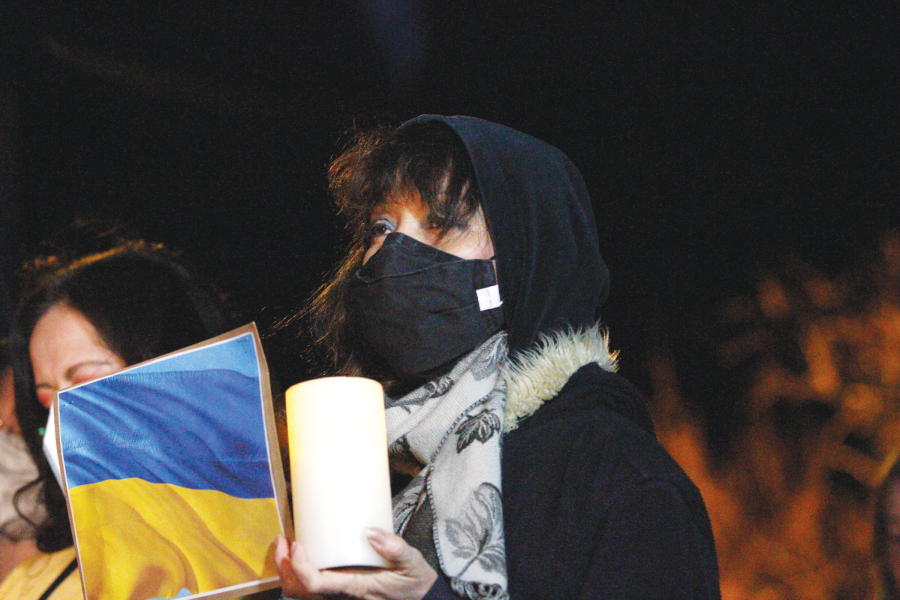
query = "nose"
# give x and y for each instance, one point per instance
(374, 247)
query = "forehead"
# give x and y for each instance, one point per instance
(63, 333)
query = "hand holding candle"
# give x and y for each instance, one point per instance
(339, 469)
(408, 576)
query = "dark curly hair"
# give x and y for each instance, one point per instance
(427, 159)
(143, 303)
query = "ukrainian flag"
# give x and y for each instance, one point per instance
(169, 479)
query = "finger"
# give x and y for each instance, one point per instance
(298, 576)
(282, 550)
(392, 548)
(290, 583)
(308, 575)
(406, 561)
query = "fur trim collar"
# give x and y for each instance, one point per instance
(536, 376)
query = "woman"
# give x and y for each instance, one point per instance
(92, 317)
(472, 289)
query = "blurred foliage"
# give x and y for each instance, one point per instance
(816, 426)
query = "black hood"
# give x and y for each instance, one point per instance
(540, 218)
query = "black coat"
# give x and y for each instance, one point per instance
(595, 508)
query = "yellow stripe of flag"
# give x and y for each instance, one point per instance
(157, 539)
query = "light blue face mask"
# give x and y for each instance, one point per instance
(49, 447)
(16, 470)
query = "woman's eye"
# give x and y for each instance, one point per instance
(94, 370)
(83, 377)
(380, 228)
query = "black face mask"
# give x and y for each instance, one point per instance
(422, 308)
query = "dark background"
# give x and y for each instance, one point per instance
(714, 139)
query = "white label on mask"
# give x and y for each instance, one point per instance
(489, 297)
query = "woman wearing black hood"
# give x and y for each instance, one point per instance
(472, 291)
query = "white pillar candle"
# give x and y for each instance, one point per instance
(339, 469)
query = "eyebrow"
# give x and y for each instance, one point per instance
(70, 372)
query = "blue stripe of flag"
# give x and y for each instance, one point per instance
(196, 429)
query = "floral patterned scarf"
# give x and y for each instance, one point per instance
(453, 426)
